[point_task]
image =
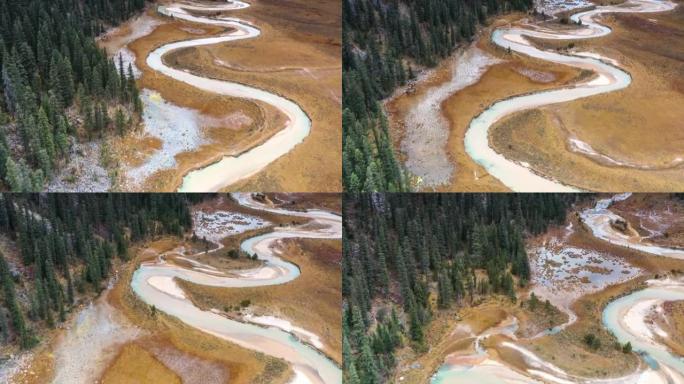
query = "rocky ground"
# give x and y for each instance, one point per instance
(426, 129)
(84, 172)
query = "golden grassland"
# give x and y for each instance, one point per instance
(312, 301)
(638, 125)
(294, 56)
(219, 260)
(135, 364)
(244, 366)
(298, 56)
(568, 350)
(499, 82)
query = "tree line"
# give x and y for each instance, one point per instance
(404, 251)
(49, 62)
(383, 41)
(65, 247)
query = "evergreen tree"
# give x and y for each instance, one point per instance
(26, 340)
(48, 60)
(379, 39)
(57, 233)
(400, 249)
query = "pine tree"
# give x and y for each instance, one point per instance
(61, 136)
(367, 365)
(13, 176)
(47, 140)
(120, 121)
(444, 290)
(26, 339)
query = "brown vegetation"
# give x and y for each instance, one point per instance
(501, 81)
(618, 124)
(244, 366)
(309, 53)
(297, 55)
(312, 301)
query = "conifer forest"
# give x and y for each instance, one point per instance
(58, 86)
(383, 43)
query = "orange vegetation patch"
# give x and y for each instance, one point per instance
(242, 365)
(312, 301)
(298, 56)
(135, 364)
(516, 75)
(618, 124)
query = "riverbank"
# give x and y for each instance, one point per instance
(544, 141)
(171, 336)
(319, 287)
(158, 284)
(602, 142)
(307, 72)
(578, 273)
(514, 75)
(230, 126)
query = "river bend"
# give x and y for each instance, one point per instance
(154, 283)
(230, 169)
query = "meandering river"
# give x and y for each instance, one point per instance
(230, 169)
(625, 317)
(154, 283)
(609, 78)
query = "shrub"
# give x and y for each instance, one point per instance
(592, 341)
